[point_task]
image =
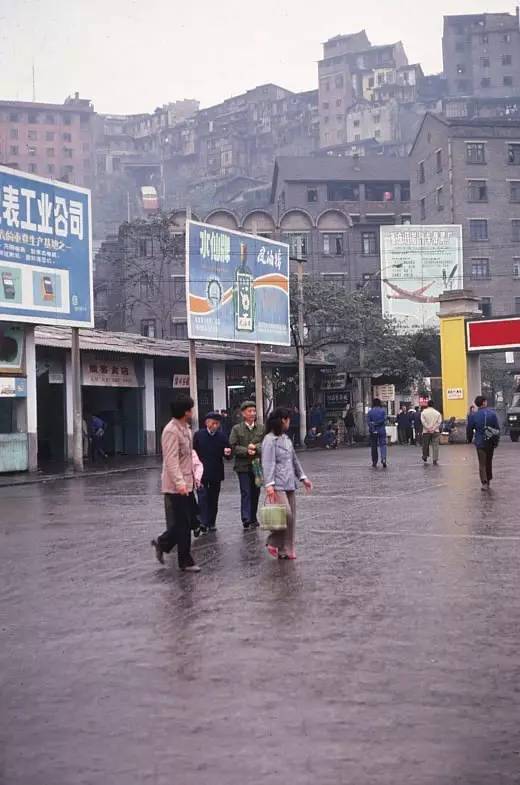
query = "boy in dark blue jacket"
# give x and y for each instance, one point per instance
(478, 423)
(377, 429)
(211, 445)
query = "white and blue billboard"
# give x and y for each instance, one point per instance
(45, 251)
(237, 286)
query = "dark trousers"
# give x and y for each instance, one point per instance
(402, 435)
(179, 513)
(378, 442)
(485, 463)
(96, 448)
(208, 503)
(249, 495)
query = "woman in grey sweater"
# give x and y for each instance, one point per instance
(282, 470)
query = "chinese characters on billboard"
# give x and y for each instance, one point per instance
(418, 264)
(237, 286)
(45, 251)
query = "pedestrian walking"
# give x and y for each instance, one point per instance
(350, 426)
(418, 428)
(431, 422)
(377, 430)
(226, 423)
(486, 429)
(282, 471)
(177, 486)
(411, 426)
(96, 433)
(295, 427)
(245, 442)
(402, 425)
(211, 445)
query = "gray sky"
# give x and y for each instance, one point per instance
(133, 55)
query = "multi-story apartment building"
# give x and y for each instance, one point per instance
(468, 172)
(481, 54)
(51, 140)
(352, 71)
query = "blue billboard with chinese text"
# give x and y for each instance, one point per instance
(237, 286)
(45, 251)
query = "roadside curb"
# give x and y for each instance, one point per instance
(44, 478)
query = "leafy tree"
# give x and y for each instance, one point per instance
(351, 329)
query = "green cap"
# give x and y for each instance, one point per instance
(246, 405)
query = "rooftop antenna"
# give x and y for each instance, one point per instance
(33, 83)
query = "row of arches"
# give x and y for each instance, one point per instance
(261, 221)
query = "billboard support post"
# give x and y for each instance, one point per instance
(259, 390)
(192, 353)
(32, 403)
(301, 357)
(77, 416)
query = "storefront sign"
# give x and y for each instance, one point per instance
(11, 348)
(334, 381)
(336, 400)
(455, 394)
(385, 392)
(13, 387)
(98, 371)
(181, 381)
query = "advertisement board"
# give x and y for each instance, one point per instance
(45, 251)
(237, 286)
(418, 264)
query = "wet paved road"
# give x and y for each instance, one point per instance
(388, 654)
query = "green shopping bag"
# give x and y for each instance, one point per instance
(273, 517)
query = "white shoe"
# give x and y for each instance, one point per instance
(193, 568)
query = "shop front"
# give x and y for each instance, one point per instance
(112, 389)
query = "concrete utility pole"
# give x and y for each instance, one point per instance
(77, 433)
(259, 388)
(301, 357)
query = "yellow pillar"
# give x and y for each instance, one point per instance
(460, 372)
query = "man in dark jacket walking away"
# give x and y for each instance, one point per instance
(245, 442)
(403, 424)
(211, 445)
(485, 440)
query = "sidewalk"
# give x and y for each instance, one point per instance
(51, 472)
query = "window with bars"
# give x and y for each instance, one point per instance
(477, 191)
(298, 244)
(515, 231)
(439, 198)
(514, 191)
(478, 230)
(368, 244)
(180, 330)
(480, 269)
(475, 153)
(333, 244)
(420, 173)
(145, 246)
(149, 328)
(516, 268)
(513, 153)
(438, 160)
(422, 208)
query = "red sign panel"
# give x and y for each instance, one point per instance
(487, 334)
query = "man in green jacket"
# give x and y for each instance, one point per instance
(245, 440)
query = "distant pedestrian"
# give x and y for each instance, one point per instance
(484, 424)
(245, 441)
(431, 422)
(295, 427)
(418, 428)
(330, 437)
(226, 423)
(411, 426)
(177, 486)
(403, 424)
(312, 438)
(377, 430)
(96, 432)
(282, 471)
(211, 445)
(350, 426)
